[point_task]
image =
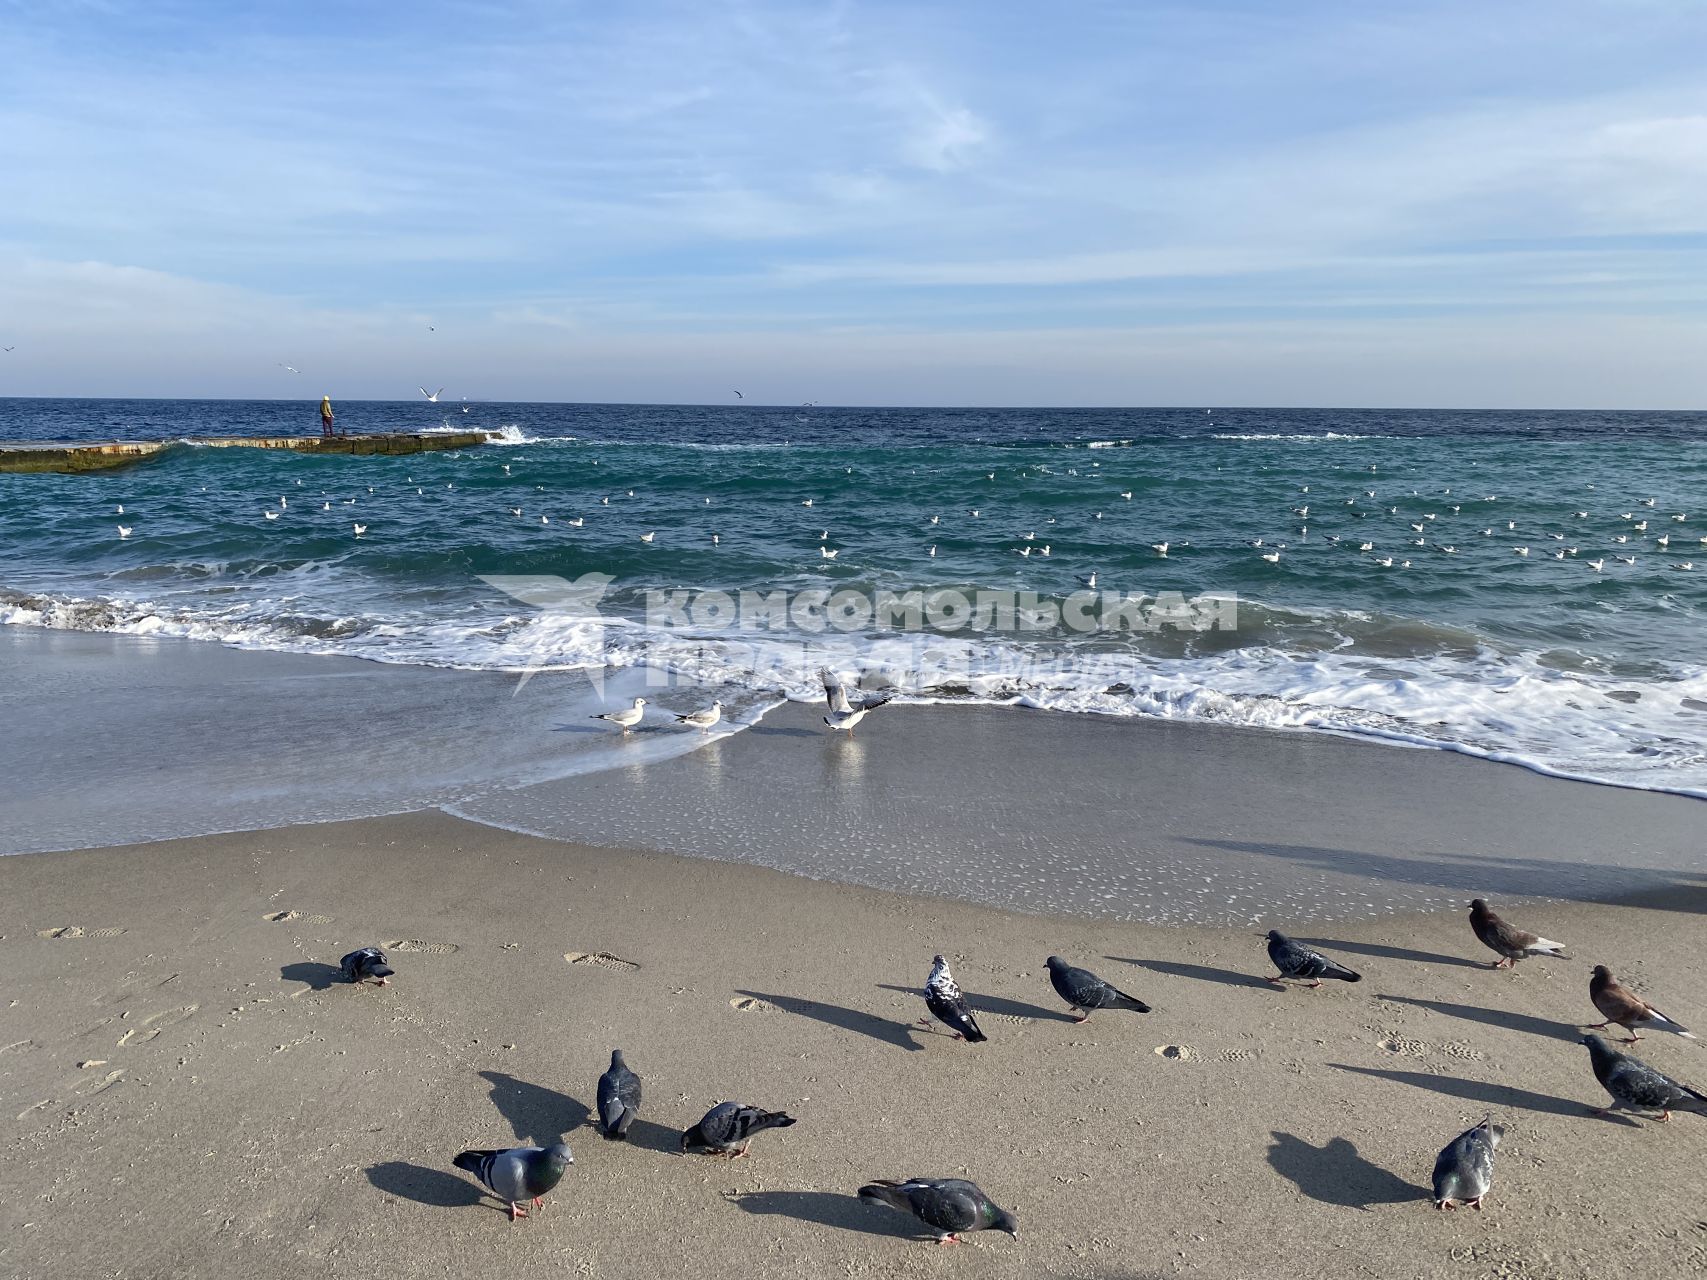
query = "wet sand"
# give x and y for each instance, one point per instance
(185, 1093)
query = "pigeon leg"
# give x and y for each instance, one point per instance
(1446, 1204)
(1665, 1116)
(1504, 962)
(539, 1202)
(1083, 1017)
(1633, 1037)
(1315, 984)
(1596, 1026)
(516, 1211)
(950, 1238)
(1276, 980)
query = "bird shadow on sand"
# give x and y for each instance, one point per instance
(1197, 972)
(425, 1186)
(1495, 1018)
(312, 974)
(829, 1209)
(835, 1015)
(995, 1006)
(536, 1114)
(1390, 953)
(648, 1135)
(1337, 1174)
(1489, 1095)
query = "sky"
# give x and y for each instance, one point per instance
(979, 203)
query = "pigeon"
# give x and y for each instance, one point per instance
(1512, 943)
(1295, 960)
(1082, 989)
(948, 1006)
(521, 1173)
(1617, 1003)
(627, 717)
(703, 719)
(949, 1206)
(619, 1098)
(844, 713)
(728, 1127)
(367, 963)
(1464, 1170)
(1634, 1084)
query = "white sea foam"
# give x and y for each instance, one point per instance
(1649, 733)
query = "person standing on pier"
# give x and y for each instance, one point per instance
(326, 415)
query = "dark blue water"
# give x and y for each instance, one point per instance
(1460, 641)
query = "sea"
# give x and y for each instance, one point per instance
(1529, 587)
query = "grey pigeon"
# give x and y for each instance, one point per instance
(1634, 1084)
(369, 962)
(1512, 944)
(520, 1173)
(619, 1097)
(1295, 960)
(1464, 1170)
(728, 1127)
(1082, 989)
(949, 1206)
(948, 1006)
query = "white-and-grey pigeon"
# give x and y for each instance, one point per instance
(518, 1174)
(948, 1006)
(1295, 960)
(1464, 1169)
(950, 1207)
(1082, 989)
(728, 1127)
(619, 1097)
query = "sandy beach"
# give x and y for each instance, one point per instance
(187, 1092)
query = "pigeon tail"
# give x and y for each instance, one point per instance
(1120, 1000)
(886, 1193)
(473, 1161)
(618, 1132)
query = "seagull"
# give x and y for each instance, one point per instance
(1625, 559)
(1684, 564)
(738, 395)
(845, 714)
(806, 502)
(933, 549)
(577, 522)
(647, 537)
(1160, 548)
(626, 717)
(360, 529)
(828, 554)
(1647, 502)
(1522, 551)
(1273, 557)
(124, 531)
(1664, 540)
(704, 719)
(1386, 562)
(1597, 565)
(1091, 581)
(516, 512)
(935, 519)
(1024, 551)
(1127, 495)
(271, 515)
(287, 368)
(121, 509)
(433, 396)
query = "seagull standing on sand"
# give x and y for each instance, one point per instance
(844, 713)
(626, 717)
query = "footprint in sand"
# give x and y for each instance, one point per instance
(1177, 1052)
(602, 959)
(1235, 1055)
(90, 1088)
(155, 1023)
(17, 1046)
(279, 917)
(747, 1004)
(412, 945)
(77, 931)
(1404, 1047)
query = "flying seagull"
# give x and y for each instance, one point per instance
(844, 713)
(432, 396)
(738, 395)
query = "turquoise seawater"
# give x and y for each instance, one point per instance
(1461, 642)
